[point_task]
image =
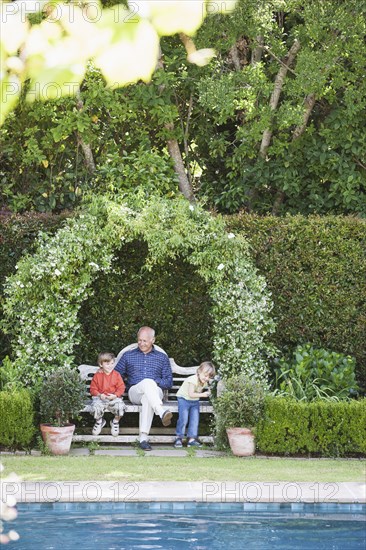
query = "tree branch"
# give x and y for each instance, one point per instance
(278, 85)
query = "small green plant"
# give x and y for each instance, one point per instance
(9, 378)
(239, 405)
(93, 446)
(62, 395)
(44, 450)
(136, 446)
(312, 373)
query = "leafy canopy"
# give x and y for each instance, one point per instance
(123, 42)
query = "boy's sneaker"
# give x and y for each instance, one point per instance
(114, 428)
(194, 443)
(178, 443)
(98, 426)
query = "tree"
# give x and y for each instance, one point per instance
(304, 149)
(53, 48)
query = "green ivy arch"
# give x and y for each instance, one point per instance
(44, 296)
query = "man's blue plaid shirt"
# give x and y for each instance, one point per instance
(135, 366)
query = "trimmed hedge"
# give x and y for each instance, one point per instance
(323, 428)
(315, 268)
(16, 419)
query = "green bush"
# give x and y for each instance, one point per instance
(322, 428)
(239, 405)
(16, 419)
(62, 396)
(17, 237)
(312, 373)
(315, 268)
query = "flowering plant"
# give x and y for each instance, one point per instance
(45, 294)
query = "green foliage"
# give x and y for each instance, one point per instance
(218, 114)
(18, 234)
(9, 380)
(148, 170)
(45, 295)
(315, 374)
(174, 300)
(61, 397)
(315, 269)
(239, 405)
(315, 160)
(16, 419)
(321, 427)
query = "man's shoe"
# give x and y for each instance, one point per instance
(114, 428)
(178, 443)
(194, 443)
(145, 445)
(98, 426)
(166, 418)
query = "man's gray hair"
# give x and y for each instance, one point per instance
(151, 330)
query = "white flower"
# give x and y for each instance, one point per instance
(220, 267)
(230, 236)
(191, 207)
(57, 272)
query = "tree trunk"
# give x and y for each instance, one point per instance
(258, 51)
(279, 80)
(173, 147)
(87, 151)
(309, 105)
(184, 183)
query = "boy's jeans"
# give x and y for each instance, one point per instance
(189, 413)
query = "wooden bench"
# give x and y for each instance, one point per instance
(130, 435)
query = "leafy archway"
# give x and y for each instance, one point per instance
(45, 294)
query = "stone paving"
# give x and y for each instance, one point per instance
(182, 491)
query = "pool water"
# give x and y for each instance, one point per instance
(188, 526)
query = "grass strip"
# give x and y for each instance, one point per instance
(190, 468)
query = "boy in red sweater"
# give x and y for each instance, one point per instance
(106, 389)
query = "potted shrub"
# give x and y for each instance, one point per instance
(62, 396)
(238, 408)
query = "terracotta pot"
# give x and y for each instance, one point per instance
(241, 441)
(57, 439)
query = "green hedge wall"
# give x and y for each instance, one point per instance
(16, 419)
(320, 428)
(315, 268)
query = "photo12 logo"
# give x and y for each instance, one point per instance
(91, 12)
(69, 491)
(269, 492)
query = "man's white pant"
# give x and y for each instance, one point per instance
(148, 394)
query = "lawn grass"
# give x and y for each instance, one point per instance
(190, 468)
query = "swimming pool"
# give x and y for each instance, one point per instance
(190, 525)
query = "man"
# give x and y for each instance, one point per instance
(147, 373)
